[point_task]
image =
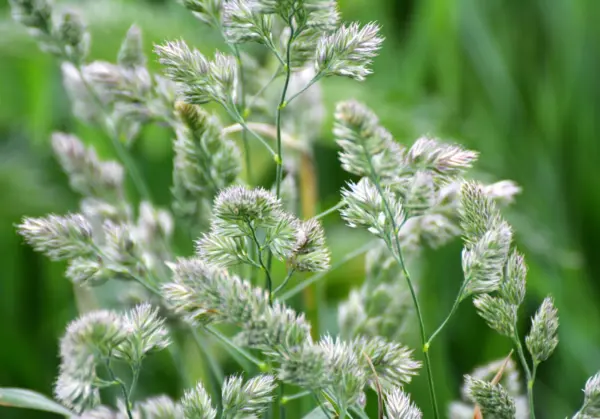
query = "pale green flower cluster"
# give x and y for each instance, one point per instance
(407, 196)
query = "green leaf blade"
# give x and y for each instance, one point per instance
(27, 399)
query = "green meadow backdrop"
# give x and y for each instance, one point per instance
(517, 80)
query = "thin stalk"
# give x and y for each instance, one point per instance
(447, 319)
(254, 98)
(329, 211)
(122, 153)
(528, 374)
(272, 47)
(248, 157)
(288, 398)
(378, 386)
(136, 374)
(241, 351)
(530, 389)
(121, 385)
(240, 120)
(282, 104)
(400, 259)
(268, 279)
(285, 281)
(318, 276)
(271, 132)
(305, 88)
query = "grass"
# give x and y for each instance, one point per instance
(515, 80)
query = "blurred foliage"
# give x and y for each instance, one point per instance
(516, 80)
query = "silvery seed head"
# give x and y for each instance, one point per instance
(493, 399)
(350, 375)
(478, 212)
(305, 366)
(503, 192)
(223, 251)
(131, 53)
(420, 194)
(310, 252)
(87, 174)
(322, 14)
(199, 80)
(238, 204)
(248, 399)
(365, 207)
(444, 159)
(97, 332)
(73, 37)
(512, 287)
(393, 363)
(145, 331)
(255, 214)
(243, 23)
(498, 313)
(204, 163)
(121, 247)
(160, 407)
(399, 406)
(542, 338)
(87, 271)
(273, 327)
(283, 237)
(365, 144)
(88, 339)
(203, 293)
(34, 14)
(348, 51)
(510, 376)
(208, 11)
(59, 237)
(483, 263)
(197, 404)
(74, 387)
(510, 381)
(591, 401)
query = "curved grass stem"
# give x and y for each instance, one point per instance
(329, 211)
(248, 157)
(396, 250)
(121, 384)
(282, 104)
(450, 314)
(528, 374)
(285, 281)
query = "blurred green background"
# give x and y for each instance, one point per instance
(516, 80)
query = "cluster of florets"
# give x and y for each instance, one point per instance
(97, 338)
(204, 294)
(407, 197)
(242, 216)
